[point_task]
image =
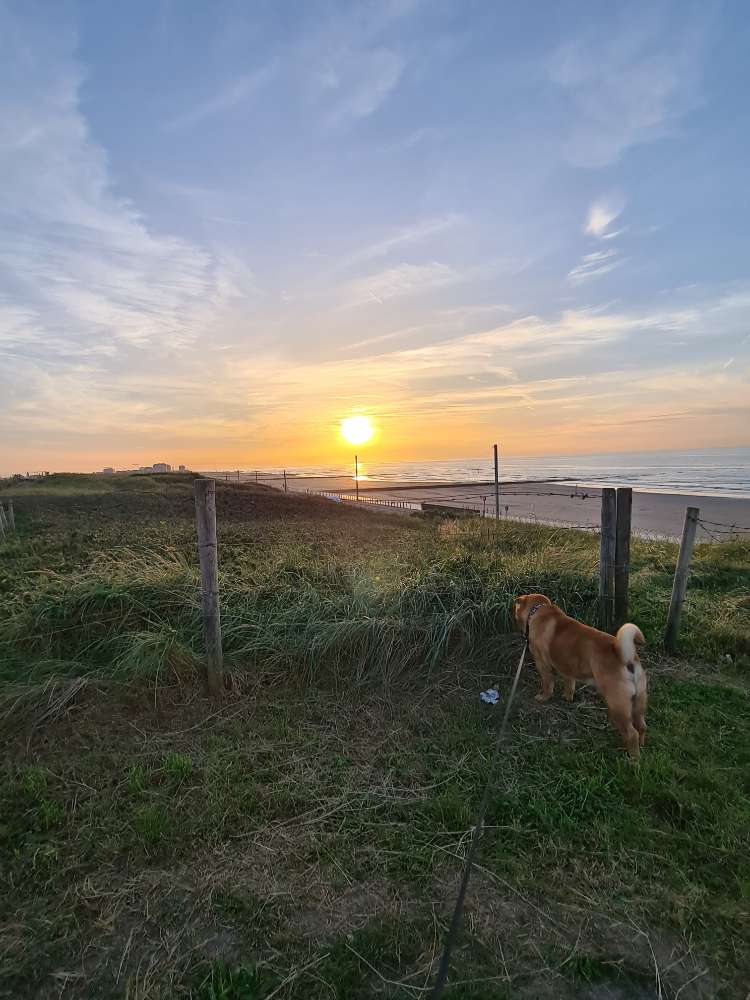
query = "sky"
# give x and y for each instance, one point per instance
(225, 227)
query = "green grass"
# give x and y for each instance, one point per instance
(306, 835)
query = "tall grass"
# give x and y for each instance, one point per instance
(446, 592)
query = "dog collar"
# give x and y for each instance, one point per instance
(530, 616)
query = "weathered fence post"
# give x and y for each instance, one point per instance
(607, 559)
(285, 487)
(2, 524)
(11, 517)
(622, 553)
(205, 517)
(681, 577)
(497, 485)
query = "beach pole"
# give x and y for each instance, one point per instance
(238, 475)
(205, 517)
(11, 517)
(607, 559)
(2, 524)
(285, 486)
(356, 476)
(679, 587)
(622, 553)
(497, 485)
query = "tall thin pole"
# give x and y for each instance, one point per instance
(285, 487)
(356, 476)
(497, 484)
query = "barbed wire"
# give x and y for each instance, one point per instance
(722, 524)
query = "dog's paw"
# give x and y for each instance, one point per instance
(543, 697)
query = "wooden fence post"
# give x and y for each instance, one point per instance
(285, 487)
(622, 554)
(11, 517)
(205, 517)
(681, 577)
(607, 559)
(497, 484)
(2, 524)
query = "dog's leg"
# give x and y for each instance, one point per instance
(569, 688)
(548, 681)
(621, 718)
(639, 710)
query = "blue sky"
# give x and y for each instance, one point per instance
(225, 226)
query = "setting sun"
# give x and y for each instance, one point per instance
(357, 430)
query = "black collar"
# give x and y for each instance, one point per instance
(530, 616)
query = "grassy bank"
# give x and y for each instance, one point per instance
(305, 836)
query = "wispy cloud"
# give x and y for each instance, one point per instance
(403, 279)
(236, 92)
(357, 82)
(602, 214)
(407, 235)
(82, 272)
(595, 265)
(407, 331)
(628, 88)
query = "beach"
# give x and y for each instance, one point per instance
(659, 514)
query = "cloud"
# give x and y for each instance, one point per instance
(239, 91)
(595, 265)
(82, 274)
(406, 236)
(403, 279)
(631, 87)
(362, 80)
(407, 331)
(601, 215)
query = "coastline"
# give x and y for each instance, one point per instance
(554, 501)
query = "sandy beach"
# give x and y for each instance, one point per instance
(553, 502)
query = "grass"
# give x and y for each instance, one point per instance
(304, 837)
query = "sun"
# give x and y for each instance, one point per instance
(357, 430)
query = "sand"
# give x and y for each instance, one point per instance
(657, 514)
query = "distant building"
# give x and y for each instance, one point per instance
(162, 467)
(182, 468)
(108, 471)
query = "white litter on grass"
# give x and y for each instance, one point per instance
(490, 696)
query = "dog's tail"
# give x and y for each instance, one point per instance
(628, 637)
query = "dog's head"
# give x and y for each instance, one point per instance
(522, 607)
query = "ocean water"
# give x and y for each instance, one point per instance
(707, 472)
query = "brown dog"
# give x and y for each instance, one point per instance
(579, 652)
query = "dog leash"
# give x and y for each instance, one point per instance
(450, 937)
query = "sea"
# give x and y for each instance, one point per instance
(721, 472)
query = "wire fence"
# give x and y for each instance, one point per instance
(460, 504)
